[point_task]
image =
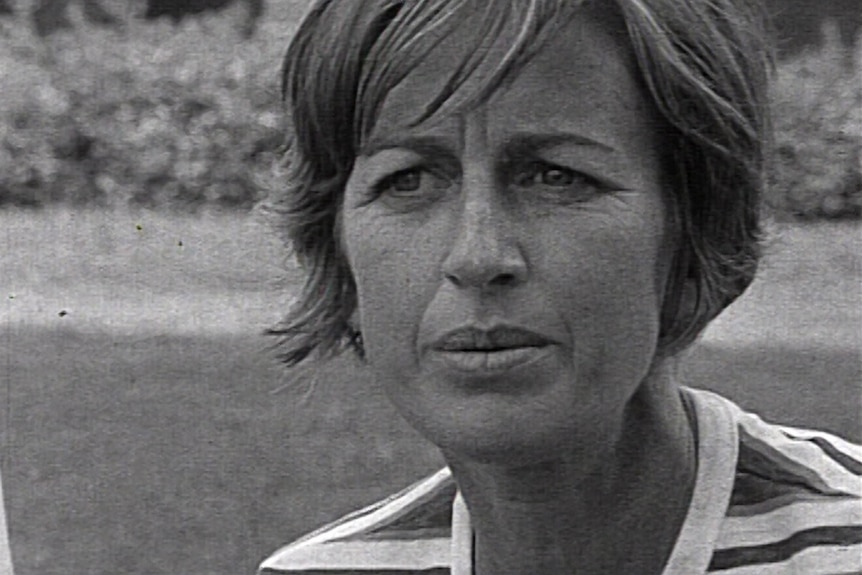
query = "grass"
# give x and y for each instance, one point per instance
(171, 454)
(150, 431)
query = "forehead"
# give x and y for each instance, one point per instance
(584, 74)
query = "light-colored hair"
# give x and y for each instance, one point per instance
(703, 62)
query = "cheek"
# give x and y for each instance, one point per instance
(394, 281)
(608, 278)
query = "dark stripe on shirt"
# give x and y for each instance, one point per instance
(784, 550)
(777, 466)
(434, 513)
(429, 519)
(750, 489)
(398, 535)
(842, 459)
(370, 571)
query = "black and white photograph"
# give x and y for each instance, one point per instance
(430, 287)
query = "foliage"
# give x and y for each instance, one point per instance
(152, 114)
(187, 116)
(817, 111)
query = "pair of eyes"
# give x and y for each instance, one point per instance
(413, 181)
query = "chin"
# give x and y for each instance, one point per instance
(545, 413)
(519, 454)
(511, 439)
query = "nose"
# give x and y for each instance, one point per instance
(486, 253)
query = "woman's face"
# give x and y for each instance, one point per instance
(510, 261)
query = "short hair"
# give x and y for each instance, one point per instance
(704, 63)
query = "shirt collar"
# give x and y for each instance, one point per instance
(717, 452)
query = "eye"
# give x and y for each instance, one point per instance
(411, 188)
(404, 181)
(558, 177)
(543, 174)
(553, 182)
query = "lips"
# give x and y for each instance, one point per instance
(474, 339)
(492, 352)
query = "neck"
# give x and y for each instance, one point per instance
(615, 508)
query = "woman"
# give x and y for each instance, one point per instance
(518, 212)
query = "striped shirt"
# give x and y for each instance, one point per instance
(768, 500)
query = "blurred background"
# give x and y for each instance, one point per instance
(147, 426)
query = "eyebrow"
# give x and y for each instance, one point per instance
(422, 145)
(518, 144)
(528, 142)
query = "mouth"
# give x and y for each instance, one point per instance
(490, 351)
(473, 339)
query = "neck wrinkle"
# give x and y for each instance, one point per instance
(600, 509)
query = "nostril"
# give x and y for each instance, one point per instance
(453, 279)
(498, 280)
(502, 280)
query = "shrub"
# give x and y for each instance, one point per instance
(152, 114)
(187, 116)
(817, 110)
